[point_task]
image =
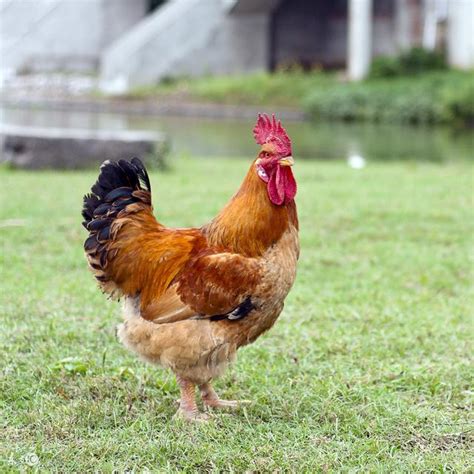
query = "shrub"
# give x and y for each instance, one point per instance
(458, 103)
(425, 99)
(385, 66)
(418, 60)
(413, 61)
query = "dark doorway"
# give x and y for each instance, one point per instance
(309, 34)
(154, 4)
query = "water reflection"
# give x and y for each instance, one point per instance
(230, 138)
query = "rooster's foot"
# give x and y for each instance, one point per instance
(212, 400)
(188, 409)
(229, 404)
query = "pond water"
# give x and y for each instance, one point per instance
(233, 138)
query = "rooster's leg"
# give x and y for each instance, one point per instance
(188, 409)
(212, 400)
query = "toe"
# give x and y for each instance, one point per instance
(230, 404)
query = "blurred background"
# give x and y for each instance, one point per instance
(378, 75)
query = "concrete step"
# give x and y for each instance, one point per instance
(61, 148)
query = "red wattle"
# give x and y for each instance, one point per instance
(281, 186)
(290, 184)
(276, 192)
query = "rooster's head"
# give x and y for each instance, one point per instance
(274, 161)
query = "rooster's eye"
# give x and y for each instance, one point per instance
(264, 154)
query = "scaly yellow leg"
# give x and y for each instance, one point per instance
(188, 409)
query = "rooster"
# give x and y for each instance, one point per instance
(193, 296)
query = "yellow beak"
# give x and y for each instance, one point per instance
(287, 161)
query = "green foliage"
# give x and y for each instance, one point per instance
(281, 88)
(394, 94)
(413, 61)
(369, 368)
(419, 60)
(424, 99)
(458, 103)
(385, 66)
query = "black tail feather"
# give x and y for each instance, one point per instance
(119, 185)
(116, 183)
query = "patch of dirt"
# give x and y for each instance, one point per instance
(444, 442)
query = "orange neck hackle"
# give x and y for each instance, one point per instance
(250, 223)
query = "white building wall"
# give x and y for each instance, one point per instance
(45, 35)
(186, 37)
(461, 33)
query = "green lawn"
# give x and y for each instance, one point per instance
(368, 368)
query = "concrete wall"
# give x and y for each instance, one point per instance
(461, 33)
(325, 27)
(186, 37)
(45, 35)
(407, 24)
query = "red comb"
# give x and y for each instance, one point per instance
(267, 130)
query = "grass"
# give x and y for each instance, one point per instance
(367, 370)
(281, 88)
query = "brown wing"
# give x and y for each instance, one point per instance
(219, 284)
(215, 286)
